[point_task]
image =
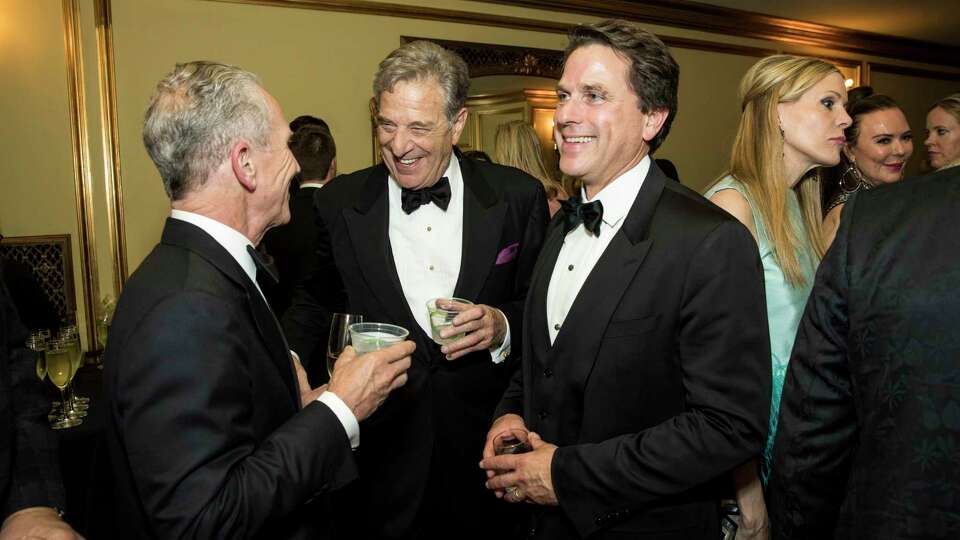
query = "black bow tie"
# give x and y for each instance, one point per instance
(265, 265)
(438, 194)
(577, 212)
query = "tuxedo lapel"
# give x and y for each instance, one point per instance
(368, 226)
(189, 236)
(483, 213)
(579, 337)
(535, 309)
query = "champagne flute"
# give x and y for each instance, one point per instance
(70, 334)
(58, 371)
(104, 319)
(339, 336)
(37, 344)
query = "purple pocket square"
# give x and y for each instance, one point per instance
(508, 253)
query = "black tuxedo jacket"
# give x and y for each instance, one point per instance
(292, 248)
(419, 452)
(204, 425)
(658, 382)
(29, 466)
(870, 416)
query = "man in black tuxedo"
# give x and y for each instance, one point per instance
(292, 245)
(212, 429)
(870, 414)
(646, 361)
(30, 489)
(426, 223)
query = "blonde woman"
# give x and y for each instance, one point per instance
(792, 121)
(943, 133)
(517, 145)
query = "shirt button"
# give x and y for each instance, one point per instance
(570, 267)
(430, 268)
(543, 415)
(548, 372)
(556, 327)
(429, 228)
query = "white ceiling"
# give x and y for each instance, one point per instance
(928, 20)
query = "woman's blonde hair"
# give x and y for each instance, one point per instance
(757, 157)
(517, 145)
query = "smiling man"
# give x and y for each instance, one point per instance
(426, 223)
(646, 373)
(211, 428)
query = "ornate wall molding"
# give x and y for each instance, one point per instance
(914, 72)
(83, 182)
(735, 22)
(675, 13)
(111, 141)
(486, 59)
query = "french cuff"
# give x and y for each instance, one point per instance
(344, 414)
(499, 354)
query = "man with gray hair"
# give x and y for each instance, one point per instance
(212, 429)
(426, 223)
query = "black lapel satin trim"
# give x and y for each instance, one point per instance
(189, 236)
(483, 217)
(368, 226)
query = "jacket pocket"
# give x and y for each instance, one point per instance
(631, 327)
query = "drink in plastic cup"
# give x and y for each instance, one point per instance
(368, 337)
(442, 312)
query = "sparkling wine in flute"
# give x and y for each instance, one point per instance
(76, 357)
(59, 367)
(41, 364)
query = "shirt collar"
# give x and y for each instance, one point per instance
(452, 173)
(229, 238)
(311, 184)
(618, 196)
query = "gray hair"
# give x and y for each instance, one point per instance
(198, 110)
(421, 61)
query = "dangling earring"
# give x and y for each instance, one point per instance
(851, 179)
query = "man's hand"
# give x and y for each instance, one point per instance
(364, 382)
(523, 477)
(38, 522)
(485, 327)
(504, 423)
(307, 395)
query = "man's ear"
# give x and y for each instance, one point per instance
(242, 163)
(459, 122)
(654, 123)
(332, 171)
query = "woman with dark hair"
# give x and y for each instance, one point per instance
(879, 144)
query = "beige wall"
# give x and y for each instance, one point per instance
(314, 62)
(37, 173)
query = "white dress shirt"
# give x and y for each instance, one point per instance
(581, 249)
(427, 246)
(236, 244)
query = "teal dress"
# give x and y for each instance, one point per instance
(785, 303)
